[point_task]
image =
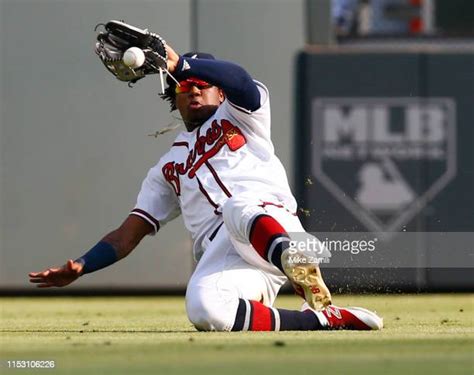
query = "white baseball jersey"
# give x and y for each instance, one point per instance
(230, 154)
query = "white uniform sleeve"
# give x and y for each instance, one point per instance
(255, 125)
(157, 202)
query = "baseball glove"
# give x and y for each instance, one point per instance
(117, 38)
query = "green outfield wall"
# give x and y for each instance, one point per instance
(74, 144)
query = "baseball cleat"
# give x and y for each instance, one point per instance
(306, 278)
(350, 318)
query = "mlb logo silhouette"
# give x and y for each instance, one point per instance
(384, 159)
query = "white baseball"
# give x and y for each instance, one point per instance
(133, 57)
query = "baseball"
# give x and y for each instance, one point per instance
(134, 57)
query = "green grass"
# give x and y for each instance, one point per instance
(424, 334)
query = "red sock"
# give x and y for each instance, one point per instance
(269, 239)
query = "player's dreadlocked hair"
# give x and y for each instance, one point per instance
(170, 96)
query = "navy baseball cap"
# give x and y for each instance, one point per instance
(192, 55)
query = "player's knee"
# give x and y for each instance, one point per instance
(206, 315)
(238, 214)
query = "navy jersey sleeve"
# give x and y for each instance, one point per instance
(238, 85)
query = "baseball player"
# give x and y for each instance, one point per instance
(222, 175)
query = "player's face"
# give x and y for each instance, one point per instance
(197, 101)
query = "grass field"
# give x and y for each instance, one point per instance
(424, 334)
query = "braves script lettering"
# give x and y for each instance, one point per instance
(216, 136)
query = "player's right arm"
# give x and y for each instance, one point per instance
(113, 247)
(156, 204)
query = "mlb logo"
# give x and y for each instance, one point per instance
(384, 159)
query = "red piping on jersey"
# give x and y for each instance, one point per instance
(204, 192)
(276, 205)
(218, 180)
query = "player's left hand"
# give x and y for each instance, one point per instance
(117, 38)
(61, 276)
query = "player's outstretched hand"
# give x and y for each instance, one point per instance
(61, 276)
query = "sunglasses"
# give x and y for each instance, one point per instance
(187, 84)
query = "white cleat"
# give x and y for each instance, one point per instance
(306, 279)
(350, 318)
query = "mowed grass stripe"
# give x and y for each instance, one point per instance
(149, 335)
